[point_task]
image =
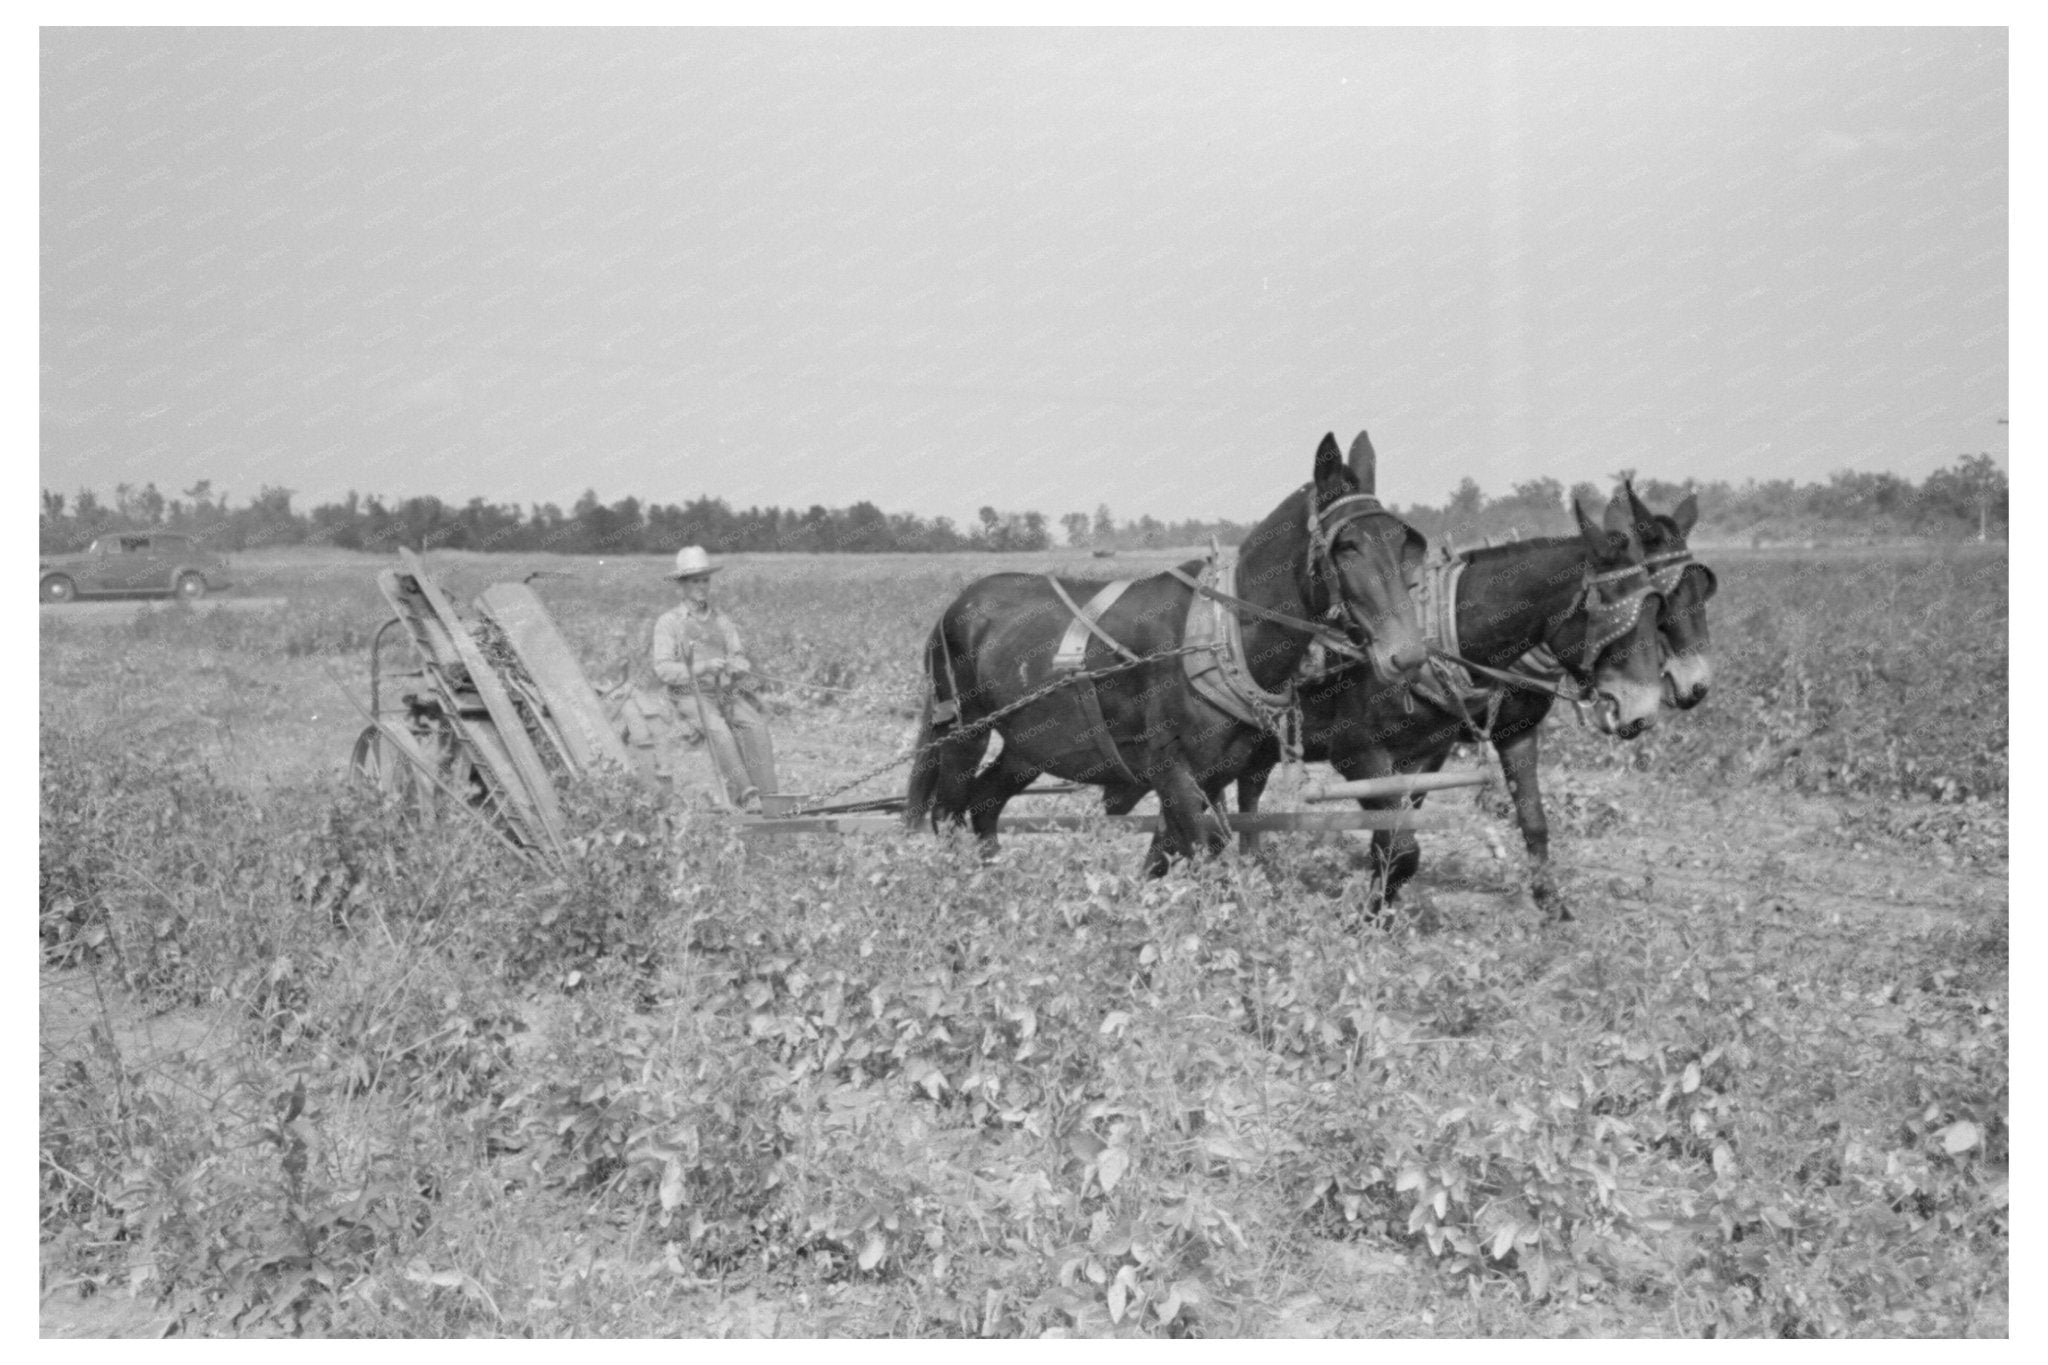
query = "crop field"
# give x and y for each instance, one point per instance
(310, 1068)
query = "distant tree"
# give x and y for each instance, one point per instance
(1973, 492)
(1033, 535)
(867, 529)
(1075, 524)
(627, 523)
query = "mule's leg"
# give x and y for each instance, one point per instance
(1403, 849)
(1250, 787)
(1189, 826)
(1123, 797)
(955, 761)
(991, 791)
(1518, 765)
(1391, 849)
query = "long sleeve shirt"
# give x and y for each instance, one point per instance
(706, 640)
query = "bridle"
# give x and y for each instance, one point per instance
(1608, 620)
(1667, 570)
(1323, 527)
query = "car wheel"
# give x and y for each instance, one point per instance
(58, 588)
(191, 586)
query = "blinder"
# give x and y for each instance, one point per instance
(1608, 621)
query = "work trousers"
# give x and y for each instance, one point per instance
(736, 733)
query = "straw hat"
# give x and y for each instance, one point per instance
(692, 562)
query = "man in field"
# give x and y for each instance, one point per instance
(698, 654)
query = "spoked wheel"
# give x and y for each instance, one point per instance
(388, 762)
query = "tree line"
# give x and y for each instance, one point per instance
(1965, 499)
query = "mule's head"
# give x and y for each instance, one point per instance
(1685, 585)
(1363, 560)
(1613, 637)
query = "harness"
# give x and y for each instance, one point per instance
(1538, 670)
(1069, 659)
(1213, 639)
(1668, 568)
(1607, 622)
(1221, 676)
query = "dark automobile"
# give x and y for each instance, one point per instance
(144, 564)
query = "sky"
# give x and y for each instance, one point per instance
(1038, 269)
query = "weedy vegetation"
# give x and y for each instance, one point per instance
(312, 1068)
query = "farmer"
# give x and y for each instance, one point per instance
(698, 654)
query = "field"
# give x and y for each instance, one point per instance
(309, 1069)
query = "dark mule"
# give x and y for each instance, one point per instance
(1560, 594)
(1686, 585)
(1123, 715)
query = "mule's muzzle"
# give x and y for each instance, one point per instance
(1686, 681)
(1682, 698)
(1616, 716)
(1399, 661)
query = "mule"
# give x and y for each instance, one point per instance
(1587, 599)
(1110, 702)
(1686, 585)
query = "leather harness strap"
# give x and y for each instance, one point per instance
(1070, 658)
(1332, 640)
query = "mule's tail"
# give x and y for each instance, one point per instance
(943, 767)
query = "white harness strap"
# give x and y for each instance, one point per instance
(1073, 647)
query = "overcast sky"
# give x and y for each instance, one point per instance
(1043, 269)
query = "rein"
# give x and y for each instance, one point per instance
(1332, 639)
(1322, 526)
(1509, 676)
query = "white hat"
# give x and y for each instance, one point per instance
(692, 562)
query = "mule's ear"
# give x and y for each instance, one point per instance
(1328, 459)
(1620, 517)
(1364, 463)
(1642, 515)
(1594, 536)
(1685, 514)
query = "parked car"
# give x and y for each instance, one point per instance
(144, 564)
